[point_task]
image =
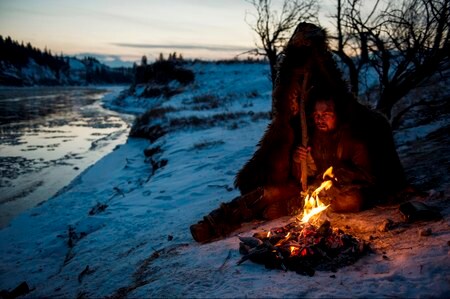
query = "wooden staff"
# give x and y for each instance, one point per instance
(304, 128)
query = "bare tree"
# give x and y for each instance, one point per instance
(404, 42)
(275, 27)
(351, 37)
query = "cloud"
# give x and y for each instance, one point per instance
(218, 48)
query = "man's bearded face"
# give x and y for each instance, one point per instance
(325, 116)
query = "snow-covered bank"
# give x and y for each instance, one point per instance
(120, 230)
(48, 136)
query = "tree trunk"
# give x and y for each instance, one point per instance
(353, 72)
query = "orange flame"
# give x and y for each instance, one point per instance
(313, 206)
(279, 243)
(328, 172)
(294, 250)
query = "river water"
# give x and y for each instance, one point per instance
(48, 136)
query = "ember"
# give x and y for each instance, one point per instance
(303, 248)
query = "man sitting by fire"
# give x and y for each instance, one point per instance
(342, 133)
(334, 144)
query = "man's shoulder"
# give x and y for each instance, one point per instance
(353, 135)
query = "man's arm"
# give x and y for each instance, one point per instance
(355, 165)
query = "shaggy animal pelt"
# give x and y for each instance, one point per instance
(307, 52)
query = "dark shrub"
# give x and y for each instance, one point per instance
(162, 72)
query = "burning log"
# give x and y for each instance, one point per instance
(303, 248)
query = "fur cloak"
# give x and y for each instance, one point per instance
(271, 164)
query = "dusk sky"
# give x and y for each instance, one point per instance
(127, 30)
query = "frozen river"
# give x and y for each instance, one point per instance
(49, 135)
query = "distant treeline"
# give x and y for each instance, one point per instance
(19, 54)
(22, 65)
(15, 57)
(96, 72)
(162, 71)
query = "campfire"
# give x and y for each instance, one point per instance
(302, 245)
(313, 206)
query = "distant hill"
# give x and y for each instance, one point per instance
(25, 65)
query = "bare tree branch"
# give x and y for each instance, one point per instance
(403, 42)
(274, 27)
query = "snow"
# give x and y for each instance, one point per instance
(139, 245)
(76, 64)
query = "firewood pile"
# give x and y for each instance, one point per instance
(303, 248)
